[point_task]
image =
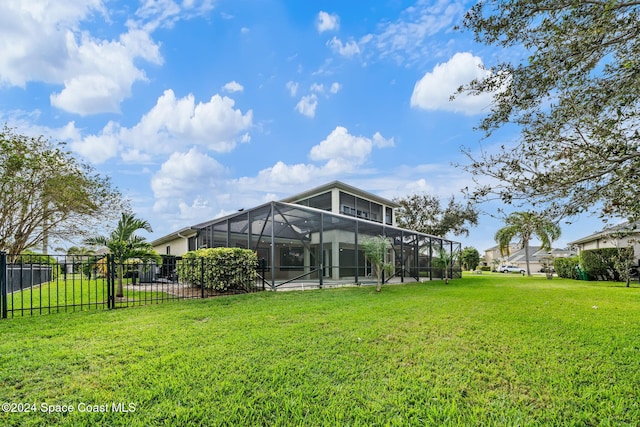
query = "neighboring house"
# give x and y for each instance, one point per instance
(493, 258)
(178, 242)
(314, 237)
(516, 256)
(619, 236)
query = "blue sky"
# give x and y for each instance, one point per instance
(197, 108)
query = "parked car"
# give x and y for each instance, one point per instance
(511, 269)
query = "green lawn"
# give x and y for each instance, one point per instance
(490, 350)
(74, 292)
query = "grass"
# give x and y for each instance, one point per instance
(73, 293)
(488, 350)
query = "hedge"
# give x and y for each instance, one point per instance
(567, 267)
(605, 264)
(225, 269)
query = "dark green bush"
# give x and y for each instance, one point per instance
(604, 264)
(567, 267)
(485, 268)
(33, 258)
(223, 269)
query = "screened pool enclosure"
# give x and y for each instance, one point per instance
(304, 246)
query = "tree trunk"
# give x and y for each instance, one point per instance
(446, 273)
(379, 278)
(120, 290)
(526, 257)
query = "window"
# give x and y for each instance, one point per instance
(292, 258)
(348, 210)
(322, 201)
(191, 244)
(361, 208)
(168, 249)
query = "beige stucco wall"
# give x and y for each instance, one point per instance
(179, 246)
(607, 242)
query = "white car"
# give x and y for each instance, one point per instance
(511, 269)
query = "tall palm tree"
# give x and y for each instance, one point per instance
(124, 244)
(525, 225)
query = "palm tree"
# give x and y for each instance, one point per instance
(445, 260)
(375, 250)
(124, 244)
(81, 254)
(74, 253)
(525, 225)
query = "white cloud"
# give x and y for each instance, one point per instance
(173, 123)
(165, 13)
(214, 124)
(341, 148)
(307, 105)
(381, 142)
(104, 72)
(404, 39)
(282, 173)
(337, 155)
(184, 173)
(232, 87)
(133, 155)
(292, 87)
(335, 87)
(408, 39)
(99, 148)
(317, 87)
(327, 22)
(348, 49)
(44, 41)
(434, 89)
(34, 38)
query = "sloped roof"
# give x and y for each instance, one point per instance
(536, 253)
(623, 227)
(182, 233)
(519, 256)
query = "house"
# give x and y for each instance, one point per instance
(493, 258)
(313, 238)
(516, 256)
(619, 236)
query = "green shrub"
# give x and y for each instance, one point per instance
(222, 269)
(485, 268)
(604, 264)
(567, 267)
(33, 258)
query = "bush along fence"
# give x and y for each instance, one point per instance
(32, 284)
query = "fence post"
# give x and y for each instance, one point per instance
(110, 282)
(3, 285)
(202, 276)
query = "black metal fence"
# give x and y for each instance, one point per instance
(40, 284)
